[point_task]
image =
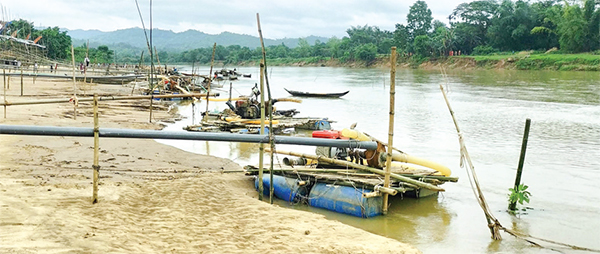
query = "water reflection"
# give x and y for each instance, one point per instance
(561, 166)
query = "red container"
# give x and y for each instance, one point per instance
(326, 134)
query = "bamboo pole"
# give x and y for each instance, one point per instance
(271, 139)
(363, 167)
(96, 167)
(74, 85)
(4, 75)
(151, 99)
(383, 143)
(21, 80)
(388, 165)
(212, 62)
(492, 222)
(327, 170)
(262, 130)
(87, 51)
(513, 205)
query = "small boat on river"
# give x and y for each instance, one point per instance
(309, 94)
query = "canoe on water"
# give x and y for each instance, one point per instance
(307, 94)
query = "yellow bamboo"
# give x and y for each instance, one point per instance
(361, 167)
(21, 80)
(4, 75)
(262, 130)
(212, 62)
(74, 85)
(95, 166)
(151, 99)
(388, 167)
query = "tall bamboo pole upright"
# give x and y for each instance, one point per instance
(21, 80)
(271, 139)
(388, 164)
(212, 62)
(151, 99)
(4, 75)
(87, 51)
(262, 131)
(74, 84)
(96, 167)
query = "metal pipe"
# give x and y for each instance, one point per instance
(180, 135)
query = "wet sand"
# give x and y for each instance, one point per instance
(152, 197)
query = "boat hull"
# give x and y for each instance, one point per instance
(324, 95)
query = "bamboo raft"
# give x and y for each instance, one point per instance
(281, 125)
(326, 173)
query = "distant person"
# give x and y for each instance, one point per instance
(87, 62)
(35, 67)
(51, 68)
(56, 67)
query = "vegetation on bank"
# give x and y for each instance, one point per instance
(485, 33)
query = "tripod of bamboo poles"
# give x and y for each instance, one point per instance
(271, 139)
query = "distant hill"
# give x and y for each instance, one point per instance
(166, 40)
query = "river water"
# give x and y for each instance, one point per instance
(562, 165)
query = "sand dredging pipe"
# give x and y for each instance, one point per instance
(180, 135)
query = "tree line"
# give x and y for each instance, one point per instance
(477, 28)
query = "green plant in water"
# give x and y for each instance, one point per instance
(520, 194)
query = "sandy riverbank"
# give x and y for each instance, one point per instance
(153, 197)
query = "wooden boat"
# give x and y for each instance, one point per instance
(307, 94)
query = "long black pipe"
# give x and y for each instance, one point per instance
(180, 135)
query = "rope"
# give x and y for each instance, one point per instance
(493, 223)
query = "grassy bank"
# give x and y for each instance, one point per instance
(518, 61)
(521, 61)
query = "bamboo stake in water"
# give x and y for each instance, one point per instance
(513, 205)
(96, 167)
(262, 131)
(388, 165)
(74, 85)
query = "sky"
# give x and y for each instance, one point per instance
(278, 18)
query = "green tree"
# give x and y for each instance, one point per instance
(57, 43)
(573, 29)
(422, 46)
(419, 19)
(366, 52)
(402, 38)
(471, 21)
(22, 27)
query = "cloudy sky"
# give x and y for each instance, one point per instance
(279, 18)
